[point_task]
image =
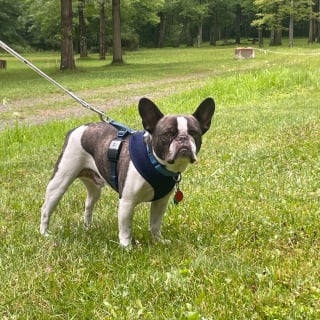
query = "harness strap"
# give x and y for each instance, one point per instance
(113, 155)
(115, 149)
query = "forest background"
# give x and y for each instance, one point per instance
(37, 23)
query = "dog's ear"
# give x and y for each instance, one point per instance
(204, 114)
(149, 113)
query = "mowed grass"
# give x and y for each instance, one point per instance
(245, 239)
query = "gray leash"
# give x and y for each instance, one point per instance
(86, 105)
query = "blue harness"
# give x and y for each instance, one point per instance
(161, 179)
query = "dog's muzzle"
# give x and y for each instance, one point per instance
(182, 147)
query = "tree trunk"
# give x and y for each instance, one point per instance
(291, 26)
(213, 40)
(189, 39)
(162, 29)
(116, 32)
(276, 37)
(199, 35)
(67, 59)
(82, 29)
(260, 35)
(238, 24)
(102, 31)
(310, 38)
(318, 24)
(214, 34)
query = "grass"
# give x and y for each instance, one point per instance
(245, 240)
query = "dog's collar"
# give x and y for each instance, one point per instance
(158, 166)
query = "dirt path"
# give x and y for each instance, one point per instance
(42, 109)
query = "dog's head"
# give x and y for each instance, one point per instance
(176, 139)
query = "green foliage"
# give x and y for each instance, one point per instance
(42, 22)
(9, 20)
(273, 13)
(245, 240)
(145, 23)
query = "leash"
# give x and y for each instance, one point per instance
(103, 116)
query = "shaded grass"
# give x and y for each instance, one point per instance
(245, 242)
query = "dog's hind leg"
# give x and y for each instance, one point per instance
(93, 195)
(66, 171)
(55, 190)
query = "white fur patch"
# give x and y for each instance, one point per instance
(182, 125)
(181, 163)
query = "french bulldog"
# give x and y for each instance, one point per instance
(147, 167)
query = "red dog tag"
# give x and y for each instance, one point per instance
(178, 197)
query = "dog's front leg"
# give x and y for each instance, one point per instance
(125, 216)
(157, 211)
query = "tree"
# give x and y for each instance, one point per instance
(314, 23)
(318, 23)
(298, 10)
(67, 59)
(291, 23)
(238, 23)
(116, 32)
(273, 14)
(221, 19)
(82, 29)
(102, 30)
(193, 13)
(171, 24)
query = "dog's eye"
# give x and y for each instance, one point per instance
(193, 133)
(169, 134)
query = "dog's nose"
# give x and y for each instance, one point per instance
(182, 138)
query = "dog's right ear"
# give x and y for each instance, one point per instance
(149, 113)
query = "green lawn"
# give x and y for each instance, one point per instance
(245, 240)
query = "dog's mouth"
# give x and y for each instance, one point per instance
(180, 153)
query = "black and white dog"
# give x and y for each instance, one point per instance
(147, 167)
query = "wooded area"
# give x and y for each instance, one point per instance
(158, 23)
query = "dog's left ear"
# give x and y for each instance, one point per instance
(149, 113)
(204, 114)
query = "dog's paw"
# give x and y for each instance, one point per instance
(87, 226)
(44, 231)
(164, 241)
(160, 239)
(45, 234)
(126, 248)
(87, 222)
(126, 244)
